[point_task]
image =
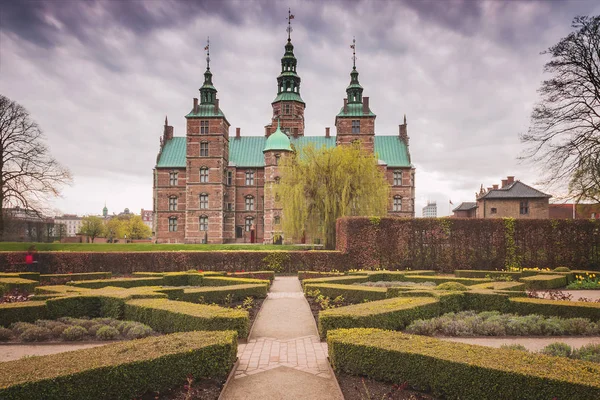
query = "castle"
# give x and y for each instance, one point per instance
(210, 187)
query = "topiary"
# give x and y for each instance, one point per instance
(107, 333)
(514, 346)
(557, 349)
(562, 269)
(452, 286)
(35, 334)
(139, 331)
(73, 333)
(5, 334)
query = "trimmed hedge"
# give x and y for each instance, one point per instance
(437, 279)
(393, 314)
(545, 281)
(510, 286)
(85, 306)
(219, 294)
(34, 276)
(461, 371)
(9, 284)
(226, 281)
(263, 275)
(350, 293)
(122, 282)
(464, 273)
(565, 309)
(169, 316)
(27, 311)
(182, 279)
(388, 276)
(82, 276)
(122, 370)
(343, 280)
(302, 275)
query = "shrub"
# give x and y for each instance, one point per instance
(557, 349)
(514, 346)
(545, 281)
(226, 281)
(23, 285)
(86, 306)
(302, 275)
(460, 371)
(120, 371)
(589, 352)
(20, 327)
(139, 331)
(27, 311)
(107, 333)
(48, 323)
(74, 333)
(343, 280)
(5, 334)
(122, 282)
(351, 293)
(452, 286)
(462, 273)
(562, 269)
(218, 294)
(35, 334)
(442, 279)
(93, 330)
(81, 276)
(565, 309)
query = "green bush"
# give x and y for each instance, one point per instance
(73, 333)
(545, 282)
(342, 280)
(226, 281)
(460, 371)
(263, 275)
(105, 332)
(589, 352)
(79, 276)
(20, 327)
(393, 313)
(509, 286)
(220, 294)
(120, 370)
(375, 276)
(562, 269)
(437, 279)
(168, 316)
(139, 331)
(302, 275)
(27, 311)
(565, 309)
(485, 301)
(462, 273)
(35, 334)
(514, 346)
(122, 282)
(452, 287)
(5, 334)
(85, 306)
(557, 350)
(34, 276)
(24, 285)
(350, 293)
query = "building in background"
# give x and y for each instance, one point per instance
(574, 211)
(466, 209)
(148, 218)
(213, 188)
(430, 210)
(512, 199)
(71, 222)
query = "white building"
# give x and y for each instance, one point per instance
(430, 210)
(71, 222)
(148, 217)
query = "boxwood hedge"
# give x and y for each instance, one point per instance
(81, 276)
(350, 293)
(545, 281)
(461, 371)
(8, 284)
(226, 281)
(464, 273)
(122, 370)
(565, 309)
(209, 294)
(437, 279)
(123, 282)
(342, 280)
(27, 311)
(302, 275)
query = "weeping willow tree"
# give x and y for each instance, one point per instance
(318, 186)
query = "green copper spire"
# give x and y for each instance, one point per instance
(288, 82)
(354, 90)
(208, 93)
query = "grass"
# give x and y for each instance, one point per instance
(110, 247)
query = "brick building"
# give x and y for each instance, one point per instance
(513, 199)
(575, 211)
(210, 187)
(466, 209)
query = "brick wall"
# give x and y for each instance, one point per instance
(510, 208)
(366, 136)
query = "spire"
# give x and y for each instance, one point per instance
(166, 123)
(288, 81)
(404, 119)
(289, 28)
(208, 93)
(354, 90)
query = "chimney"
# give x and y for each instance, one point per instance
(169, 132)
(511, 179)
(365, 105)
(345, 106)
(216, 106)
(237, 133)
(488, 189)
(327, 132)
(504, 182)
(404, 131)
(495, 187)
(195, 109)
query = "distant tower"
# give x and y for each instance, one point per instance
(105, 211)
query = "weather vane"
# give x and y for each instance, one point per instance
(353, 47)
(207, 49)
(289, 19)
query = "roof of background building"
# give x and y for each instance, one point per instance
(465, 206)
(516, 190)
(247, 151)
(354, 110)
(288, 96)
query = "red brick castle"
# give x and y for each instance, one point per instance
(213, 188)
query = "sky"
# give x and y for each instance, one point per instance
(100, 76)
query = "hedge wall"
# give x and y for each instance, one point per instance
(448, 244)
(461, 371)
(122, 370)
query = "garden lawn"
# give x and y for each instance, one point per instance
(109, 247)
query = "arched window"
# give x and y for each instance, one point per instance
(248, 224)
(203, 201)
(249, 203)
(203, 223)
(397, 203)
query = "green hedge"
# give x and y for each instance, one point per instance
(302, 275)
(122, 282)
(82, 276)
(27, 311)
(393, 313)
(485, 301)
(510, 286)
(226, 281)
(376, 276)
(350, 293)
(343, 280)
(182, 279)
(545, 281)
(34, 276)
(169, 316)
(263, 275)
(9, 284)
(565, 309)
(122, 370)
(85, 306)
(464, 273)
(437, 279)
(461, 371)
(219, 294)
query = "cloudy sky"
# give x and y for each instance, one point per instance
(99, 77)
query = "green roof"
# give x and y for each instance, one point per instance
(355, 110)
(247, 151)
(277, 141)
(206, 110)
(288, 96)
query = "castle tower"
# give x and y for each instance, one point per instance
(207, 157)
(288, 106)
(355, 121)
(276, 148)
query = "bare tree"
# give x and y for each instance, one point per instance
(29, 175)
(564, 136)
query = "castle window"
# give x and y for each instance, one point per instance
(203, 175)
(229, 178)
(249, 203)
(173, 178)
(397, 178)
(204, 201)
(172, 224)
(277, 220)
(203, 127)
(355, 126)
(397, 203)
(249, 178)
(277, 157)
(412, 179)
(524, 209)
(229, 207)
(204, 223)
(287, 109)
(172, 203)
(204, 149)
(494, 210)
(248, 224)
